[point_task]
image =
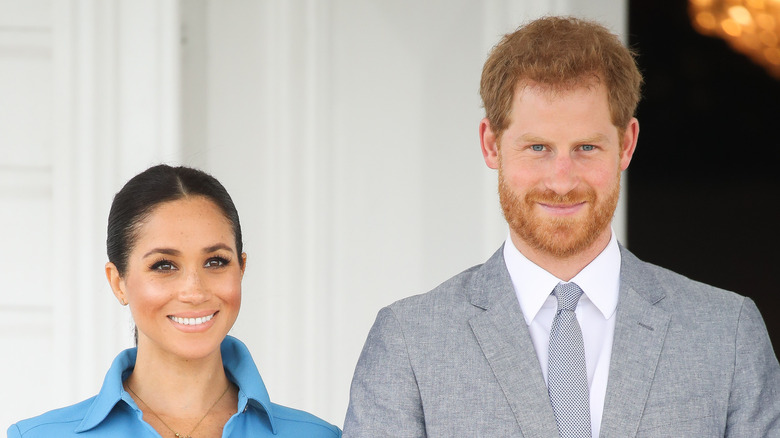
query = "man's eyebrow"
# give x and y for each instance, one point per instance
(597, 138)
(531, 138)
(166, 251)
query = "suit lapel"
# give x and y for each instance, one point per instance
(507, 346)
(640, 330)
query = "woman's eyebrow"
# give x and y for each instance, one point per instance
(166, 251)
(213, 248)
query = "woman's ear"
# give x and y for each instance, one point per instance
(116, 283)
(243, 262)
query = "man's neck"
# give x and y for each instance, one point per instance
(564, 268)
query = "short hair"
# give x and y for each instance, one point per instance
(154, 186)
(561, 53)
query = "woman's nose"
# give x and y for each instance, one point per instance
(193, 290)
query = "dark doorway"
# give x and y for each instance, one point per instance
(703, 186)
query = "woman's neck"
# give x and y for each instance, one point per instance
(176, 386)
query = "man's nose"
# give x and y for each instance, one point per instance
(561, 176)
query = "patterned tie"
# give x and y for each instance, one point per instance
(567, 380)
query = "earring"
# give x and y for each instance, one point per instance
(124, 303)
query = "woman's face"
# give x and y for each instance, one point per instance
(183, 279)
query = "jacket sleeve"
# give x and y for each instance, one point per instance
(384, 398)
(754, 403)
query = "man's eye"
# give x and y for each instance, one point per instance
(537, 147)
(588, 147)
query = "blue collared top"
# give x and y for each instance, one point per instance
(113, 413)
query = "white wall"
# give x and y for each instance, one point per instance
(346, 132)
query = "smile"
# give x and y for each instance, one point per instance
(562, 209)
(191, 321)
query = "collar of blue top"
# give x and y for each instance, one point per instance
(238, 364)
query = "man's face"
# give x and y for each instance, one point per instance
(559, 164)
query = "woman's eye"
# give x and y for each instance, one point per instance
(216, 262)
(163, 265)
(537, 147)
(588, 147)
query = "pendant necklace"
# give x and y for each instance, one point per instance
(177, 434)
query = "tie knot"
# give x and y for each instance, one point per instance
(568, 295)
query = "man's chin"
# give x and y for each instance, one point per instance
(563, 241)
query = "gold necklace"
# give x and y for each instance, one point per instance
(177, 434)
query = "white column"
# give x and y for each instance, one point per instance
(261, 71)
(117, 114)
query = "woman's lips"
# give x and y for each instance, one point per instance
(192, 321)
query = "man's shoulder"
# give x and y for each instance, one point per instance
(453, 291)
(58, 422)
(677, 288)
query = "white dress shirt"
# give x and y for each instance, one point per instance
(600, 283)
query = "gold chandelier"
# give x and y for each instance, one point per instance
(749, 26)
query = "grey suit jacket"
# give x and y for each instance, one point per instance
(688, 360)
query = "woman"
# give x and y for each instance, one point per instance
(175, 257)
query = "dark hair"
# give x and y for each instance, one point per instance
(154, 186)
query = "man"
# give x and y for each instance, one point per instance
(563, 332)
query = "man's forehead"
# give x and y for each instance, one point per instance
(554, 90)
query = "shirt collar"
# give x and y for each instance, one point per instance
(242, 370)
(238, 364)
(599, 280)
(112, 391)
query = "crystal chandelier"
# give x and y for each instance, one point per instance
(749, 26)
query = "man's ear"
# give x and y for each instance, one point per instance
(116, 283)
(629, 141)
(489, 143)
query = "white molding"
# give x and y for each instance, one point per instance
(20, 39)
(267, 123)
(25, 319)
(148, 43)
(297, 235)
(63, 120)
(25, 181)
(318, 201)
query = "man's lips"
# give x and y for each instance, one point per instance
(562, 209)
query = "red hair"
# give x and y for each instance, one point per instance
(560, 53)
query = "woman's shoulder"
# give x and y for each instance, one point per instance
(284, 421)
(60, 422)
(294, 422)
(97, 413)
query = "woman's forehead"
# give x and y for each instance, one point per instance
(185, 221)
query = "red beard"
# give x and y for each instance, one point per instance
(563, 236)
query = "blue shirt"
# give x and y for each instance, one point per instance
(113, 413)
